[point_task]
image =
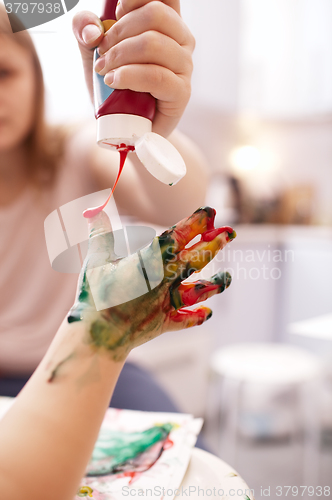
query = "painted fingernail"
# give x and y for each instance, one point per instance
(100, 64)
(224, 279)
(232, 235)
(90, 33)
(209, 315)
(109, 78)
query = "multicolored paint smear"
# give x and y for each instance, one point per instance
(129, 453)
(136, 450)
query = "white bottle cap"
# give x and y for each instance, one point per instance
(158, 155)
(113, 130)
(160, 158)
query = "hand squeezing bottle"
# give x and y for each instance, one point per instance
(124, 122)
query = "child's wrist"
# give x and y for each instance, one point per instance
(99, 332)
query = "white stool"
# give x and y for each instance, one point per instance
(272, 366)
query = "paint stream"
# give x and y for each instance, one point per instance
(123, 150)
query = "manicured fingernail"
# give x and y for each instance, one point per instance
(90, 33)
(109, 78)
(100, 64)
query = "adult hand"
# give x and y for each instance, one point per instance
(135, 315)
(149, 49)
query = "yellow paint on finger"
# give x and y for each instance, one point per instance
(202, 253)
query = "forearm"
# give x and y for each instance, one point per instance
(53, 425)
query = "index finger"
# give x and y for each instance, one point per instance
(177, 237)
(125, 6)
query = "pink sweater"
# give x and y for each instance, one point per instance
(33, 297)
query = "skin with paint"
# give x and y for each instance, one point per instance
(118, 329)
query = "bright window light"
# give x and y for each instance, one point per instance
(245, 158)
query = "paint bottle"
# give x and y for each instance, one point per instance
(124, 122)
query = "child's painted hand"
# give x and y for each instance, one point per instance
(130, 315)
(149, 49)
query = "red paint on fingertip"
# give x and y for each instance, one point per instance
(209, 235)
(191, 295)
(180, 315)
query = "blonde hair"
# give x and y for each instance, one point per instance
(45, 144)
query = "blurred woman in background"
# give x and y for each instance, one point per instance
(44, 167)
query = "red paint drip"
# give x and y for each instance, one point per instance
(192, 294)
(210, 234)
(123, 150)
